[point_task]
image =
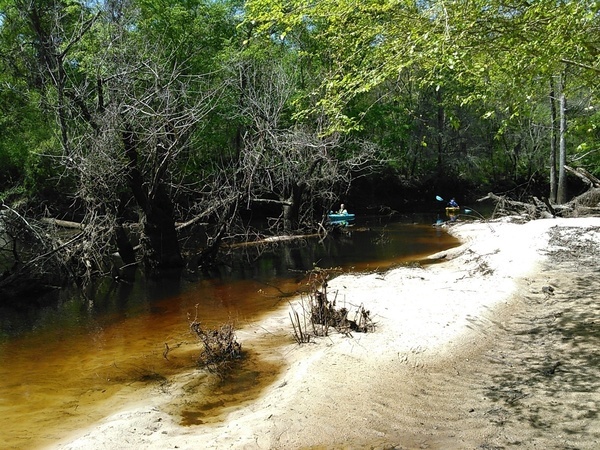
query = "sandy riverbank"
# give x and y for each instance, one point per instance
(493, 348)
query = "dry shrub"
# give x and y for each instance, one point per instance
(220, 347)
(322, 314)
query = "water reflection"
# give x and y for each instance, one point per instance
(75, 360)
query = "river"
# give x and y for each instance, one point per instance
(66, 364)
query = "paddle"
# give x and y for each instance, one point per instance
(440, 199)
(472, 211)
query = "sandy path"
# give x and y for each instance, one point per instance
(493, 348)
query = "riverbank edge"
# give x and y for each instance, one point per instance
(434, 324)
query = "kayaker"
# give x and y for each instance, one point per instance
(452, 203)
(342, 209)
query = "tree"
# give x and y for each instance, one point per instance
(127, 105)
(561, 191)
(155, 105)
(291, 164)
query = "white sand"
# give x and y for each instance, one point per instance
(369, 390)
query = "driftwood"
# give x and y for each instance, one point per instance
(537, 209)
(271, 240)
(219, 347)
(586, 204)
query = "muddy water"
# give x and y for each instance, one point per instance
(67, 365)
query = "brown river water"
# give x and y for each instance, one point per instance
(68, 364)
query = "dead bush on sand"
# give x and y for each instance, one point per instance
(219, 347)
(319, 314)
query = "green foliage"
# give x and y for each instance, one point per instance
(585, 135)
(25, 129)
(12, 194)
(452, 88)
(481, 43)
(44, 174)
(194, 31)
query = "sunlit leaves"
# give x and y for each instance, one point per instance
(473, 42)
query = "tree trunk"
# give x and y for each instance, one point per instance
(440, 132)
(159, 241)
(561, 195)
(124, 245)
(553, 179)
(51, 62)
(291, 208)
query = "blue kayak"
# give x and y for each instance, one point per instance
(341, 218)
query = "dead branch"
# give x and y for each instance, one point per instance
(30, 259)
(586, 204)
(537, 209)
(300, 334)
(584, 176)
(220, 347)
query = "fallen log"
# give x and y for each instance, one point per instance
(63, 223)
(584, 176)
(586, 204)
(589, 199)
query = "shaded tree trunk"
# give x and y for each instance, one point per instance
(291, 209)
(290, 217)
(160, 245)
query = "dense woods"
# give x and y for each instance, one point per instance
(143, 122)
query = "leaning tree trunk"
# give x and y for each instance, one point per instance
(440, 132)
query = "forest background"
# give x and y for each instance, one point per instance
(161, 130)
